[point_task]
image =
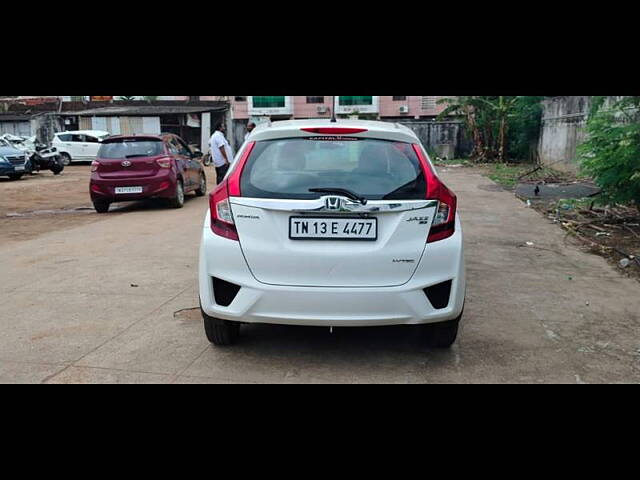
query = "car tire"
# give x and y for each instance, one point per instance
(66, 159)
(220, 332)
(443, 334)
(202, 190)
(178, 200)
(101, 207)
(16, 176)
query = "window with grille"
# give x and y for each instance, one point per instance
(348, 101)
(268, 102)
(240, 99)
(399, 99)
(428, 103)
(315, 99)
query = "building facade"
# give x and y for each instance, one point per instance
(417, 112)
(406, 109)
(298, 107)
(189, 117)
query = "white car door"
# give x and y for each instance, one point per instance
(91, 147)
(76, 147)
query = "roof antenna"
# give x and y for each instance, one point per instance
(333, 110)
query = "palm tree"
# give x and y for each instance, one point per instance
(502, 107)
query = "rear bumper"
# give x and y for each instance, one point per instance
(257, 302)
(162, 185)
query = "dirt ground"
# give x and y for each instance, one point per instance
(44, 202)
(610, 232)
(116, 301)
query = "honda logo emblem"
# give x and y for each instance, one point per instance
(333, 203)
(126, 163)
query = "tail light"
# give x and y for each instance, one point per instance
(334, 130)
(221, 216)
(164, 162)
(444, 221)
(95, 165)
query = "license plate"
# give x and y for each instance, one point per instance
(128, 189)
(319, 228)
(19, 169)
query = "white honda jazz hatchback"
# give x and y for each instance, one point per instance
(332, 224)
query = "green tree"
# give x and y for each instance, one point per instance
(126, 98)
(501, 127)
(611, 150)
(524, 128)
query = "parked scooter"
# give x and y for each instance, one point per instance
(41, 156)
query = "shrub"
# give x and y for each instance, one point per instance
(611, 151)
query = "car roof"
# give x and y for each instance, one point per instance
(95, 133)
(154, 136)
(292, 129)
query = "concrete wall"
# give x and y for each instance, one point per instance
(238, 131)
(563, 122)
(447, 139)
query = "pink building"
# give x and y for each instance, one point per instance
(291, 107)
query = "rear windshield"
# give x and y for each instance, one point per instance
(128, 148)
(374, 169)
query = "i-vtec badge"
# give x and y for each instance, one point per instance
(420, 220)
(403, 260)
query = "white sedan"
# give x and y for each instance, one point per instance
(333, 224)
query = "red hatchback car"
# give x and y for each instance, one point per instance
(134, 167)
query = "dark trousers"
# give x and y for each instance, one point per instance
(221, 172)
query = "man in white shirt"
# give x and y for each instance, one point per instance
(220, 151)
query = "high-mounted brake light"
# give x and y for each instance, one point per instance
(444, 221)
(222, 222)
(334, 130)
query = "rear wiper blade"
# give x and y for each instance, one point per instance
(341, 191)
(136, 155)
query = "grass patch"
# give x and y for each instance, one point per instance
(508, 174)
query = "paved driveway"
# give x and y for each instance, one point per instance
(113, 301)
